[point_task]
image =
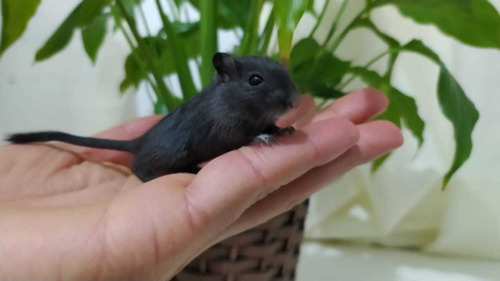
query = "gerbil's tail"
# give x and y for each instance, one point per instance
(76, 140)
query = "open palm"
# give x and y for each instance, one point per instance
(78, 213)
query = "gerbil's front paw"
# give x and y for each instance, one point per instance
(285, 131)
(265, 139)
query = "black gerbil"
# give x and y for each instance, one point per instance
(240, 106)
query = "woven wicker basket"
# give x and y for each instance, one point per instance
(268, 252)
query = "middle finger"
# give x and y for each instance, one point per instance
(358, 107)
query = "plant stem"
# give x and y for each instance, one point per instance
(186, 13)
(148, 91)
(375, 59)
(320, 18)
(335, 23)
(134, 51)
(328, 37)
(344, 33)
(392, 60)
(125, 33)
(251, 32)
(267, 32)
(167, 97)
(370, 63)
(174, 10)
(274, 45)
(144, 20)
(180, 58)
(208, 38)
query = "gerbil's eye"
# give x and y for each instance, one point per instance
(255, 80)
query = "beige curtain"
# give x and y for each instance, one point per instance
(403, 204)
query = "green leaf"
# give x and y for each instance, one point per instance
(404, 105)
(316, 71)
(134, 73)
(178, 3)
(288, 15)
(233, 13)
(379, 162)
(370, 77)
(160, 108)
(408, 110)
(195, 3)
(462, 113)
(304, 51)
(455, 105)
(473, 22)
(93, 36)
(327, 70)
(390, 114)
(310, 61)
(185, 28)
(61, 37)
(15, 17)
(188, 34)
(90, 9)
(230, 13)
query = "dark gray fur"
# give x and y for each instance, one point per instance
(226, 115)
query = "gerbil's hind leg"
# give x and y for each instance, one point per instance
(193, 170)
(144, 176)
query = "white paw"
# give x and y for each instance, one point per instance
(265, 139)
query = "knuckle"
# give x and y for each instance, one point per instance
(197, 217)
(255, 161)
(351, 133)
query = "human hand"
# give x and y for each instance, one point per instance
(76, 213)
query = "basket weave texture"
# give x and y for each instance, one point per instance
(268, 252)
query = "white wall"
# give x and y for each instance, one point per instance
(65, 92)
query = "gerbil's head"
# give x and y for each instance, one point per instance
(257, 81)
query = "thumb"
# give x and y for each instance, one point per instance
(231, 183)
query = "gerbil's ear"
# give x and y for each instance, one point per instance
(225, 65)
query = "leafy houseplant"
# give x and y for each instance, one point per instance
(314, 66)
